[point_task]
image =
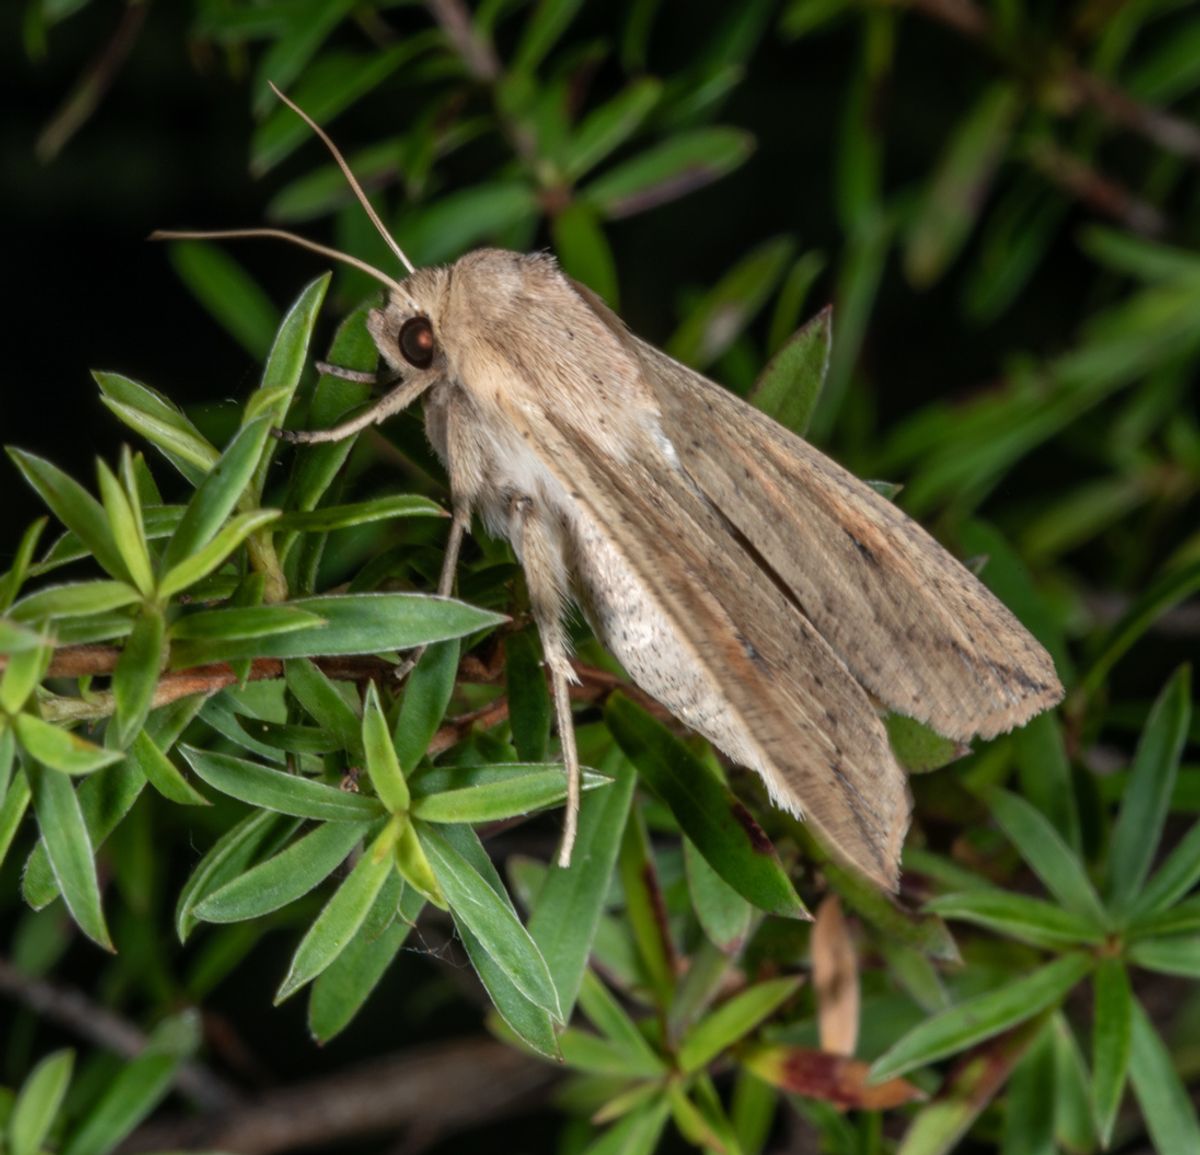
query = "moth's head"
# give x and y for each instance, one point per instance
(407, 330)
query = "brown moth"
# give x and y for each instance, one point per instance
(764, 595)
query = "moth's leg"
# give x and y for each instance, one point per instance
(390, 403)
(540, 548)
(459, 526)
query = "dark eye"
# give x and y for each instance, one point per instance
(416, 342)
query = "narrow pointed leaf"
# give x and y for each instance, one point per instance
(382, 764)
(38, 1103)
(342, 915)
(733, 1020)
(1148, 795)
(193, 568)
(1112, 1033)
(161, 773)
(280, 791)
(286, 876)
(710, 816)
(980, 1018)
(60, 749)
(790, 384)
(69, 848)
(77, 509)
(339, 991)
(218, 493)
(492, 920)
(1166, 1106)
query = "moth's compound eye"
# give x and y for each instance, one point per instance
(416, 342)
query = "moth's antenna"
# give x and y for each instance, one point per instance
(350, 178)
(280, 234)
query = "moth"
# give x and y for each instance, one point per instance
(769, 599)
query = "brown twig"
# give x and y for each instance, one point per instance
(1100, 193)
(478, 55)
(436, 1090)
(91, 87)
(73, 1010)
(1081, 88)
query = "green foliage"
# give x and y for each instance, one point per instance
(236, 647)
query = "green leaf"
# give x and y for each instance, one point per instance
(681, 164)
(637, 1133)
(237, 301)
(983, 1016)
(160, 421)
(414, 867)
(491, 919)
(105, 798)
(542, 31)
(1173, 879)
(733, 1020)
(38, 1103)
(161, 773)
(137, 1088)
(1166, 1106)
(1174, 955)
(1148, 796)
(530, 710)
(515, 793)
(724, 914)
(14, 576)
(59, 748)
(726, 309)
(1112, 1026)
(285, 877)
(296, 38)
(69, 847)
(718, 824)
(128, 533)
(790, 384)
(583, 250)
(570, 902)
(1018, 916)
(959, 184)
(382, 764)
(918, 748)
(12, 811)
(1029, 1122)
(340, 990)
(217, 494)
(355, 624)
(333, 517)
(1173, 587)
(243, 622)
(22, 674)
(77, 509)
(77, 599)
(605, 129)
(343, 915)
(1043, 848)
(460, 220)
(286, 362)
(610, 1019)
(329, 85)
(136, 674)
(226, 859)
(533, 1025)
(1045, 774)
(280, 791)
(645, 910)
(318, 695)
(426, 697)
